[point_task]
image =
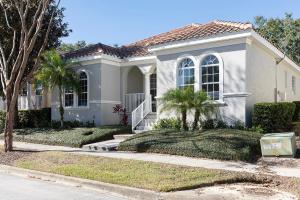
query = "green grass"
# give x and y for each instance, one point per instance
(224, 144)
(74, 137)
(140, 174)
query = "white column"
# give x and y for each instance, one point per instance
(147, 84)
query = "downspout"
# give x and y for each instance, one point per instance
(278, 61)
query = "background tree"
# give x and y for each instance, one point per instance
(56, 72)
(283, 33)
(180, 100)
(65, 47)
(25, 27)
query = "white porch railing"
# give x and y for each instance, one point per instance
(23, 103)
(35, 102)
(141, 111)
(132, 101)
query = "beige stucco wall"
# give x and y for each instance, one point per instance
(260, 78)
(233, 58)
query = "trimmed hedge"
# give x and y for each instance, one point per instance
(73, 137)
(274, 117)
(224, 144)
(296, 116)
(30, 118)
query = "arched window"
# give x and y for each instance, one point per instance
(210, 67)
(186, 73)
(83, 92)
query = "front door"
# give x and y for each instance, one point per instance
(153, 91)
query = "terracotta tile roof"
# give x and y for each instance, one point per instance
(140, 48)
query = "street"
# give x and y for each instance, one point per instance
(19, 188)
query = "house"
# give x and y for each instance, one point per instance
(230, 61)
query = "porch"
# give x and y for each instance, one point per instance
(139, 99)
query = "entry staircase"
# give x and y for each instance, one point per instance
(142, 117)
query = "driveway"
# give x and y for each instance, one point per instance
(19, 188)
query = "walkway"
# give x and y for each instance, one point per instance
(266, 167)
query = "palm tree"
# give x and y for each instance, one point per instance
(179, 100)
(203, 107)
(55, 72)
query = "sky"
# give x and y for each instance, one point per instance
(124, 21)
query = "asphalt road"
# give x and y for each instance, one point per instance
(19, 188)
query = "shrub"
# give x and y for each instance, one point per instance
(72, 124)
(213, 123)
(273, 117)
(30, 118)
(296, 116)
(168, 123)
(296, 128)
(224, 144)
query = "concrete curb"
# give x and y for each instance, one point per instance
(128, 192)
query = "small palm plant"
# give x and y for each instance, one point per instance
(179, 100)
(203, 107)
(55, 72)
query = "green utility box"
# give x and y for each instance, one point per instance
(278, 144)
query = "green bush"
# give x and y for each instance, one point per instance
(273, 117)
(29, 118)
(72, 124)
(224, 144)
(34, 118)
(296, 116)
(296, 128)
(168, 123)
(73, 137)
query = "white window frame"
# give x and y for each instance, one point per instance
(87, 91)
(178, 63)
(221, 73)
(75, 97)
(285, 79)
(65, 93)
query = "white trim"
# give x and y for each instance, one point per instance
(237, 94)
(221, 72)
(216, 38)
(177, 63)
(110, 102)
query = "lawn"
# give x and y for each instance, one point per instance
(139, 174)
(74, 137)
(224, 144)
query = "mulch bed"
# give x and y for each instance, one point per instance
(10, 157)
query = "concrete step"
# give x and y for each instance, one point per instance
(123, 136)
(109, 145)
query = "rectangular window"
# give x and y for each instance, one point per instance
(69, 97)
(285, 79)
(294, 84)
(38, 89)
(24, 90)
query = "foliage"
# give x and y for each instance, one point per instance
(168, 123)
(64, 47)
(122, 114)
(132, 173)
(224, 144)
(273, 117)
(30, 118)
(296, 128)
(203, 107)
(56, 72)
(296, 116)
(73, 137)
(283, 33)
(72, 124)
(179, 100)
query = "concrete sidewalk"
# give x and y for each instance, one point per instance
(293, 171)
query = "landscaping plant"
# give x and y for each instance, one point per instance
(55, 72)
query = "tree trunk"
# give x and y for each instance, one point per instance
(196, 119)
(184, 123)
(16, 115)
(61, 108)
(9, 120)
